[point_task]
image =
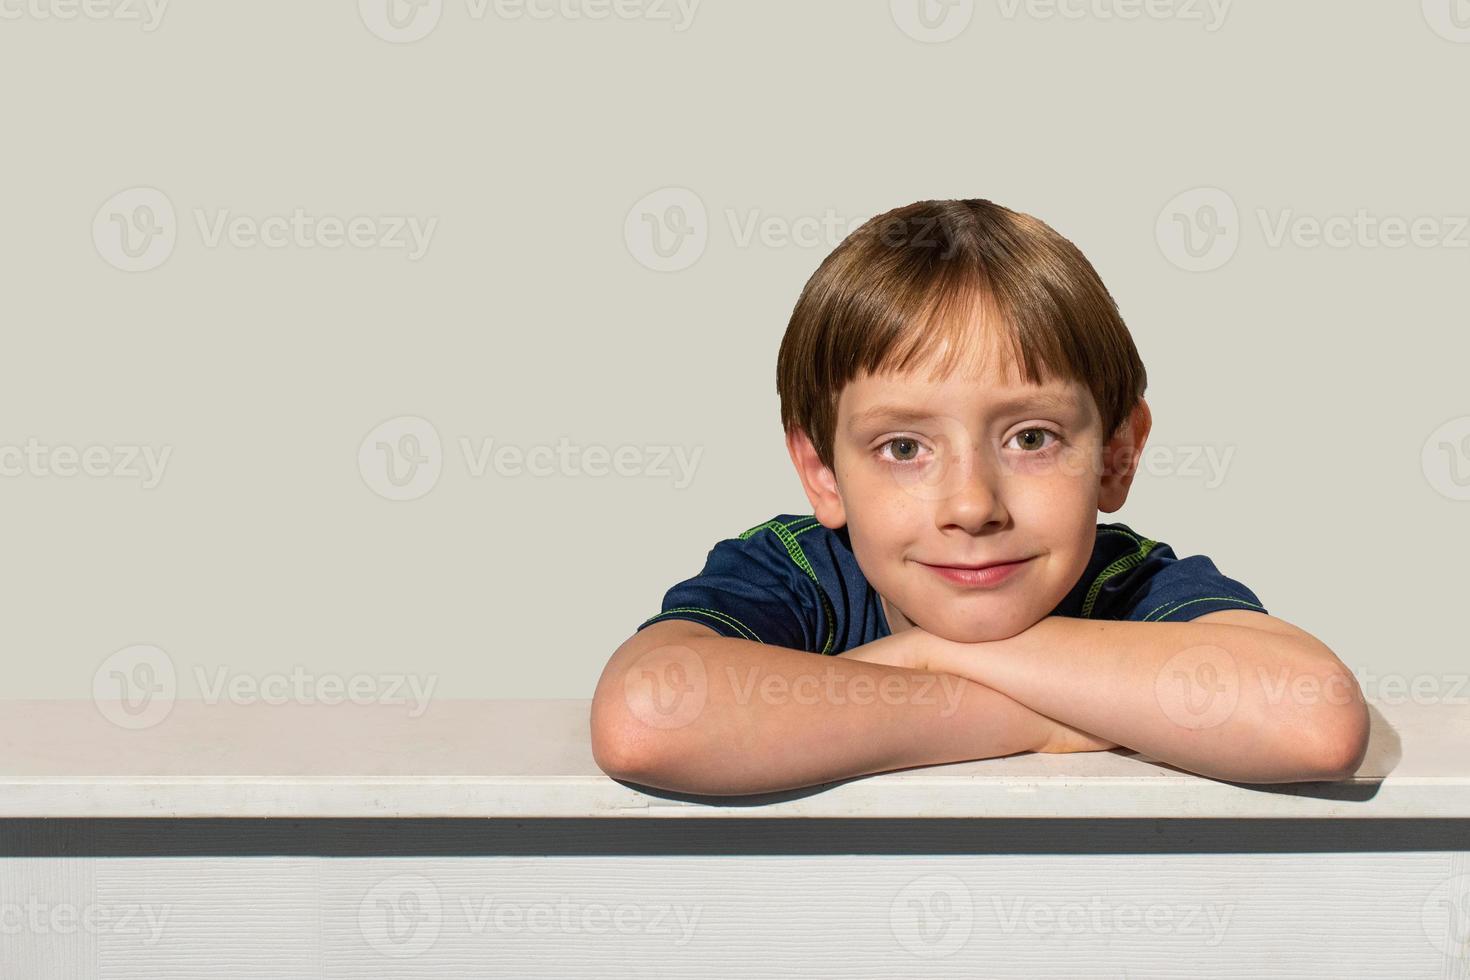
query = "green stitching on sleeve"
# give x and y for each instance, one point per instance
(798, 557)
(745, 631)
(1190, 602)
(749, 531)
(774, 523)
(1121, 565)
(787, 536)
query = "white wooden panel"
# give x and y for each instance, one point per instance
(512, 758)
(1220, 915)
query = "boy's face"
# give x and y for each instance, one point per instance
(988, 469)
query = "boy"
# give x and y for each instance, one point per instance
(960, 399)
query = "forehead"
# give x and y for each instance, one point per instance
(984, 392)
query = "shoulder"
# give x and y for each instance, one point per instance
(1144, 579)
(782, 527)
(758, 585)
(786, 553)
(793, 548)
(777, 540)
(785, 535)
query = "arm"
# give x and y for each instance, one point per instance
(1235, 694)
(683, 708)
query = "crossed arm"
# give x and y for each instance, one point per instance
(1234, 694)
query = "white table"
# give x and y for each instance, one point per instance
(480, 839)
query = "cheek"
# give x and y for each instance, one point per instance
(1047, 499)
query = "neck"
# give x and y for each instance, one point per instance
(897, 621)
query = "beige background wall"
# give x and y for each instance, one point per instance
(533, 310)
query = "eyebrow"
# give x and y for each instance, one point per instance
(903, 414)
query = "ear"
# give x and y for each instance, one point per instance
(817, 480)
(1120, 458)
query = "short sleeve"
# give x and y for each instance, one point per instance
(749, 589)
(1164, 588)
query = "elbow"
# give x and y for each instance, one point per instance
(617, 747)
(635, 737)
(1343, 731)
(617, 756)
(1344, 751)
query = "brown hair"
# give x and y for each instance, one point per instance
(907, 283)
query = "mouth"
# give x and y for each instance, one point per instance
(976, 568)
(989, 574)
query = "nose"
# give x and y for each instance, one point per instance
(975, 498)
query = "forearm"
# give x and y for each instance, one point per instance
(1224, 701)
(759, 718)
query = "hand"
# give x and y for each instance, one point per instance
(894, 650)
(916, 649)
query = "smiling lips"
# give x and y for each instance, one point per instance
(979, 575)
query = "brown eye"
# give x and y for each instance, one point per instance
(898, 454)
(1034, 440)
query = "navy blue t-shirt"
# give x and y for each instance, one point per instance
(791, 582)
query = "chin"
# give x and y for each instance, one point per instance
(972, 632)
